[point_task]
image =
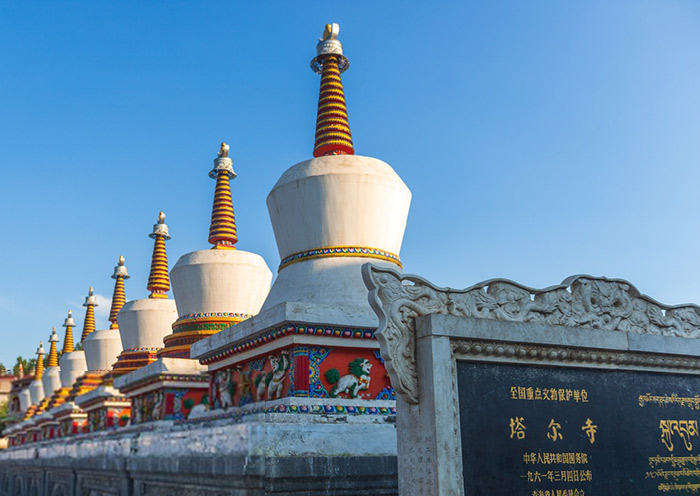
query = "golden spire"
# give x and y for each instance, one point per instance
(53, 353)
(39, 361)
(69, 324)
(119, 296)
(332, 128)
(89, 324)
(222, 231)
(158, 280)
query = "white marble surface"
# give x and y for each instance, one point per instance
(209, 281)
(144, 323)
(51, 380)
(332, 201)
(73, 365)
(102, 348)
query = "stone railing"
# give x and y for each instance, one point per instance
(579, 301)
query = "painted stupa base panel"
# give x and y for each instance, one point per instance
(167, 389)
(108, 416)
(49, 430)
(72, 420)
(106, 408)
(304, 371)
(169, 402)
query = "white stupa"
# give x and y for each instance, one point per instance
(72, 362)
(219, 287)
(330, 215)
(25, 399)
(103, 346)
(213, 289)
(51, 380)
(335, 212)
(36, 388)
(144, 323)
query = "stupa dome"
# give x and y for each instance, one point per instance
(215, 281)
(36, 392)
(144, 323)
(102, 348)
(73, 365)
(25, 399)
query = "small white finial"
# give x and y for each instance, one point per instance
(223, 163)
(161, 228)
(329, 45)
(40, 349)
(90, 298)
(69, 322)
(120, 269)
(223, 151)
(331, 32)
(54, 337)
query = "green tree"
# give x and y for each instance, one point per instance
(26, 364)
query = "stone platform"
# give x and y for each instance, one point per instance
(261, 454)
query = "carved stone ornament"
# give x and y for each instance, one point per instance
(579, 301)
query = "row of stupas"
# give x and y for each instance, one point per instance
(229, 343)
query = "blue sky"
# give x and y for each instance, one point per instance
(540, 139)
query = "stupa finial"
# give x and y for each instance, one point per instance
(223, 151)
(222, 231)
(119, 295)
(53, 352)
(89, 323)
(39, 361)
(69, 324)
(158, 279)
(332, 128)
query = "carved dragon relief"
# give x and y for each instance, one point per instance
(579, 301)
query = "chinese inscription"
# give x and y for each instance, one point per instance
(566, 431)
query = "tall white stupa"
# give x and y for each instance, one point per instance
(311, 353)
(335, 212)
(36, 388)
(102, 346)
(219, 287)
(213, 290)
(51, 379)
(145, 322)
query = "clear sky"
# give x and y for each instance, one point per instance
(540, 138)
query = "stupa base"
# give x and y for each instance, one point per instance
(166, 389)
(71, 419)
(105, 407)
(258, 454)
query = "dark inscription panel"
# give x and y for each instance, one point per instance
(542, 431)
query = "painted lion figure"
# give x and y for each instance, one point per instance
(351, 384)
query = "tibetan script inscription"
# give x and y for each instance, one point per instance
(546, 431)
